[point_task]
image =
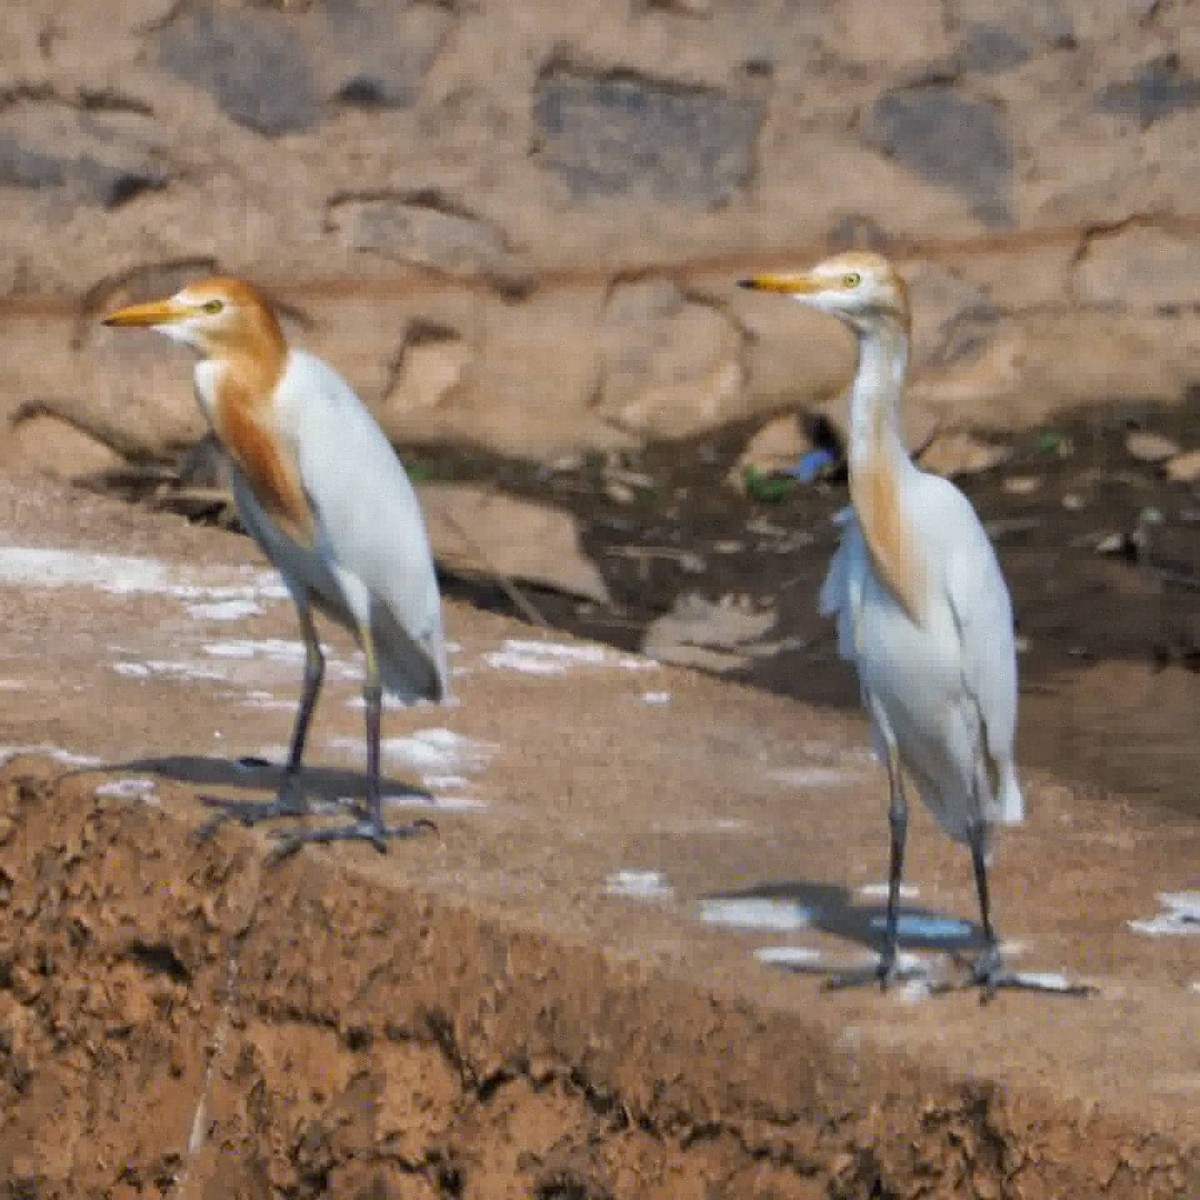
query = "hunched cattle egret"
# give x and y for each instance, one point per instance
(922, 608)
(320, 489)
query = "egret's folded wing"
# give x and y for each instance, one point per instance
(982, 609)
(369, 520)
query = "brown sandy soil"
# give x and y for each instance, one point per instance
(498, 1011)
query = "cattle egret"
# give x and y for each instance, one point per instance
(922, 608)
(321, 490)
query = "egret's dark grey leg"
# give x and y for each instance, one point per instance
(988, 972)
(885, 971)
(314, 675)
(370, 828)
(898, 824)
(289, 801)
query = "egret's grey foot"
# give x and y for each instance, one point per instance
(367, 829)
(289, 802)
(989, 974)
(885, 972)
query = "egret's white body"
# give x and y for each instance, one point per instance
(942, 693)
(319, 487)
(922, 608)
(370, 561)
(927, 689)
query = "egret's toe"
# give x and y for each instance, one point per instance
(367, 830)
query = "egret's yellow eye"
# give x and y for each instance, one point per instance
(213, 307)
(852, 280)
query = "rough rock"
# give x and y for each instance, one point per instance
(1185, 467)
(477, 531)
(1150, 447)
(671, 366)
(252, 61)
(430, 368)
(422, 229)
(775, 447)
(952, 140)
(545, 182)
(374, 53)
(990, 48)
(1138, 268)
(715, 636)
(959, 453)
(1022, 485)
(59, 155)
(908, 36)
(1156, 89)
(954, 315)
(618, 133)
(46, 445)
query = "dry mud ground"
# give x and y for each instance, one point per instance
(566, 993)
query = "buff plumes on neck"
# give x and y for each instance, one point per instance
(864, 291)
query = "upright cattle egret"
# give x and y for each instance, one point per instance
(921, 605)
(320, 489)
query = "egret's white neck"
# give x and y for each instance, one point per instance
(877, 392)
(880, 466)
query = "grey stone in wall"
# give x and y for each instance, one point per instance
(412, 154)
(951, 139)
(990, 48)
(23, 167)
(103, 160)
(611, 135)
(381, 48)
(419, 229)
(1158, 89)
(252, 61)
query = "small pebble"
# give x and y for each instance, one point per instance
(1185, 467)
(1150, 447)
(1022, 485)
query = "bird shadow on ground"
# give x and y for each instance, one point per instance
(324, 784)
(799, 905)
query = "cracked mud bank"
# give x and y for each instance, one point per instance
(179, 1021)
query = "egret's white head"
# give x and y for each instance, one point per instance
(860, 288)
(219, 317)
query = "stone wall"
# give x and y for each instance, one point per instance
(517, 221)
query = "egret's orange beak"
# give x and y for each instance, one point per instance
(157, 312)
(791, 284)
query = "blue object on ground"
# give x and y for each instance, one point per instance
(810, 466)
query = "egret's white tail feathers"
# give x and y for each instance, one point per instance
(1009, 805)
